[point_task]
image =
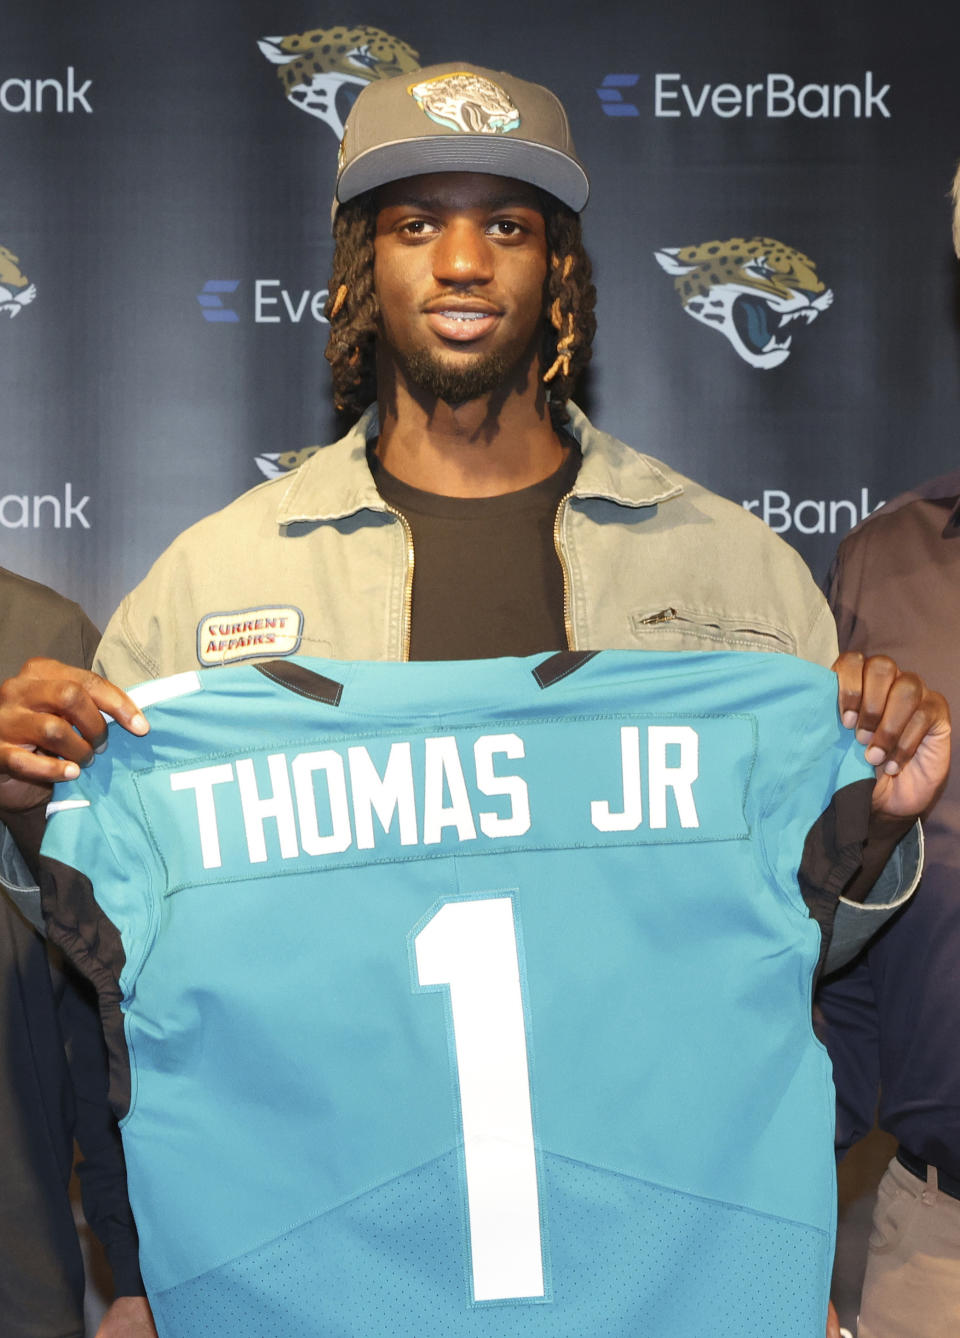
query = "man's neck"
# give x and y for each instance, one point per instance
(483, 448)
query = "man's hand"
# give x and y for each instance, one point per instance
(128, 1317)
(906, 728)
(833, 1324)
(51, 726)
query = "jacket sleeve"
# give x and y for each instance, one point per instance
(65, 632)
(122, 656)
(819, 641)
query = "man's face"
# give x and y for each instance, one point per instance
(459, 270)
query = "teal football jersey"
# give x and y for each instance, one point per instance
(466, 999)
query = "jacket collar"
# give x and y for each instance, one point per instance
(336, 482)
(617, 472)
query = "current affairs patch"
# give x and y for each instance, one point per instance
(246, 634)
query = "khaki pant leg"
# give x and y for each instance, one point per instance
(912, 1283)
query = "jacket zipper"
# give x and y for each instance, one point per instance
(407, 612)
(558, 521)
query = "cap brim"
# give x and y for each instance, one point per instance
(500, 155)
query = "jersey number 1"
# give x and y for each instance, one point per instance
(470, 947)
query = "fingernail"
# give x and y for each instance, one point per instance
(864, 735)
(874, 756)
(101, 747)
(892, 768)
(71, 771)
(139, 724)
(849, 719)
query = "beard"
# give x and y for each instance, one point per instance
(452, 384)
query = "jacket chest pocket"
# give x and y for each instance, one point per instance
(683, 627)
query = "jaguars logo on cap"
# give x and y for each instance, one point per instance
(466, 102)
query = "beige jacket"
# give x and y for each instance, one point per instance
(317, 562)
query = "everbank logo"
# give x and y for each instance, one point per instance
(773, 97)
(270, 303)
(26, 511)
(810, 515)
(65, 96)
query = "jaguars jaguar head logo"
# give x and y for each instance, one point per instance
(16, 290)
(273, 464)
(323, 70)
(467, 102)
(752, 290)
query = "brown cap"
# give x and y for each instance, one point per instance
(459, 118)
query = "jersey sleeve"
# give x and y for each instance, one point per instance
(107, 935)
(100, 1169)
(824, 774)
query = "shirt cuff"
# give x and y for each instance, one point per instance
(856, 922)
(124, 1261)
(18, 881)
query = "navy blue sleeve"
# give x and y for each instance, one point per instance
(846, 1021)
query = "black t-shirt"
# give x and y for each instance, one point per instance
(487, 578)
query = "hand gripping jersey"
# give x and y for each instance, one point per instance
(466, 999)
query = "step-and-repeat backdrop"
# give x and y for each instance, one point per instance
(165, 181)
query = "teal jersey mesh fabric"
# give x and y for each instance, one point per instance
(466, 999)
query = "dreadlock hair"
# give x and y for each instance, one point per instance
(569, 300)
(352, 309)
